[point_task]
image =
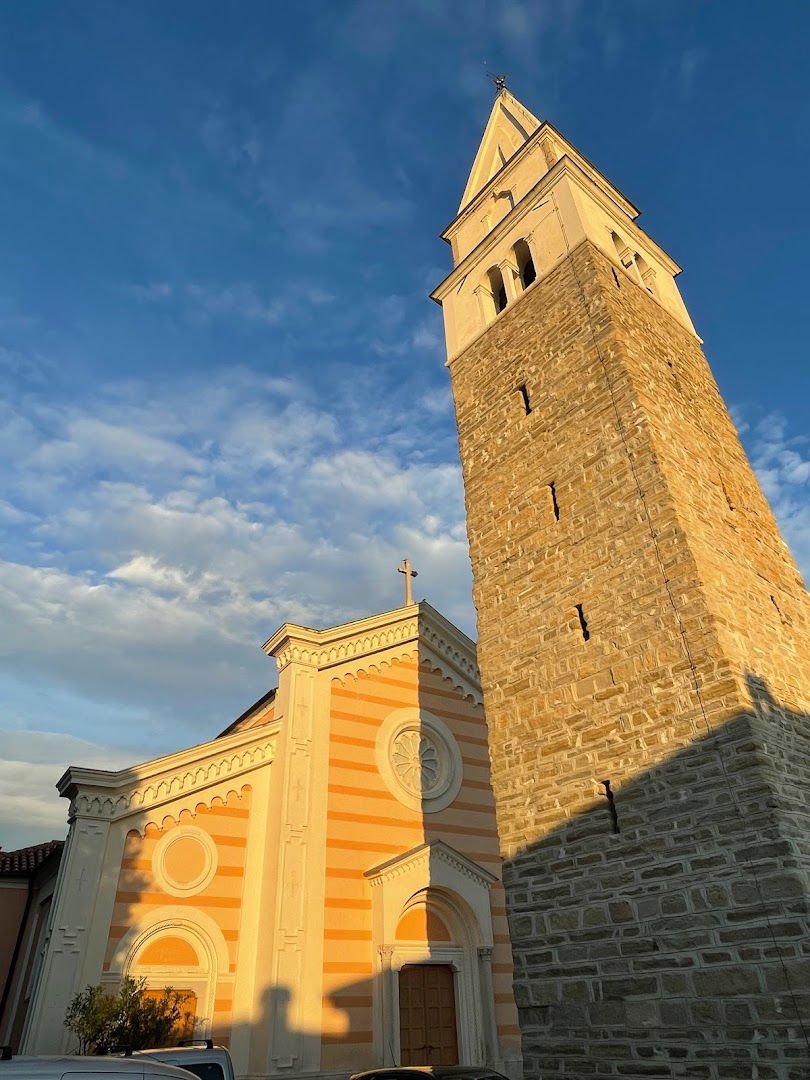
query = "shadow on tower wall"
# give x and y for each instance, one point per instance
(677, 946)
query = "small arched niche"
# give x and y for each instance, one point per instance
(647, 274)
(622, 250)
(525, 263)
(497, 288)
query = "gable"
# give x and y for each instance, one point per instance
(509, 127)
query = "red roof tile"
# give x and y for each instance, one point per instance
(24, 861)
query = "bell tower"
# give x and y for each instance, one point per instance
(644, 639)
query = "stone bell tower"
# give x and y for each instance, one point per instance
(644, 639)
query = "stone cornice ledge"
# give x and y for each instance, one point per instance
(418, 623)
(106, 794)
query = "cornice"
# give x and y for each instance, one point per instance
(564, 167)
(436, 850)
(545, 133)
(419, 623)
(103, 794)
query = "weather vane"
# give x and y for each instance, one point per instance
(499, 81)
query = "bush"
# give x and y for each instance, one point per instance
(106, 1022)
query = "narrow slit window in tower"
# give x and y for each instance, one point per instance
(524, 393)
(552, 487)
(583, 623)
(525, 263)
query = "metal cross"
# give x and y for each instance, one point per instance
(406, 570)
(498, 80)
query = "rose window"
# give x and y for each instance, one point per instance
(416, 762)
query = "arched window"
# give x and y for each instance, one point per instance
(525, 263)
(647, 274)
(497, 288)
(623, 253)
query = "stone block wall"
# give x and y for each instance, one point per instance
(640, 621)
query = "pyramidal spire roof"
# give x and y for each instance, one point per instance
(509, 126)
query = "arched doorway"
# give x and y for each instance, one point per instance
(431, 910)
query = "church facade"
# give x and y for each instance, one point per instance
(643, 639)
(322, 880)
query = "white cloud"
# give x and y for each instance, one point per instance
(782, 463)
(31, 762)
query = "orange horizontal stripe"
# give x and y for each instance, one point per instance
(229, 811)
(467, 830)
(360, 792)
(373, 699)
(508, 1029)
(478, 763)
(348, 1001)
(344, 692)
(503, 969)
(223, 1005)
(482, 785)
(343, 967)
(164, 898)
(347, 935)
(230, 871)
(343, 872)
(504, 999)
(349, 740)
(346, 902)
(362, 845)
(398, 823)
(136, 864)
(473, 740)
(230, 841)
(341, 763)
(372, 721)
(370, 819)
(474, 808)
(451, 714)
(354, 1038)
(502, 939)
(230, 935)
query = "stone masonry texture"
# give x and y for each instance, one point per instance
(677, 946)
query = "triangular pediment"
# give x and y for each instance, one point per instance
(429, 855)
(509, 127)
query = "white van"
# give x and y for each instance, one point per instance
(87, 1068)
(207, 1062)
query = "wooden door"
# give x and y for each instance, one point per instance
(427, 1015)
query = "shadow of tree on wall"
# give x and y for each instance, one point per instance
(678, 946)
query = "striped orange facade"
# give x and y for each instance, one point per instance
(170, 956)
(290, 875)
(367, 826)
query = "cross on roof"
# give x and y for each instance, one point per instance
(409, 573)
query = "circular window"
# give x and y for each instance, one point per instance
(185, 860)
(419, 759)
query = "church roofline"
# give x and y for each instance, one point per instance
(335, 645)
(77, 777)
(264, 700)
(565, 165)
(586, 164)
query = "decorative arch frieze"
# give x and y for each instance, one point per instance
(301, 652)
(186, 780)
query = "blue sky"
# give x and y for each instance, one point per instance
(223, 399)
